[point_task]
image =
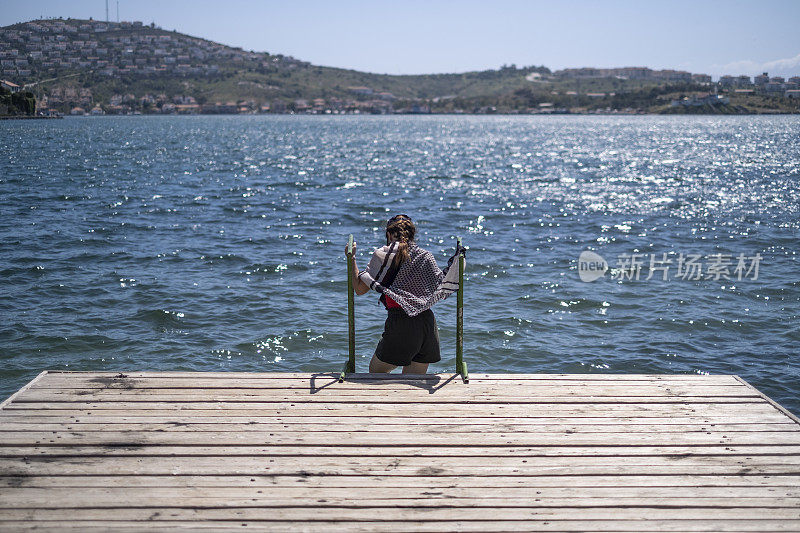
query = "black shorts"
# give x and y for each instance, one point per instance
(409, 338)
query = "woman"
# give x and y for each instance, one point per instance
(409, 282)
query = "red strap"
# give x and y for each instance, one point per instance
(390, 304)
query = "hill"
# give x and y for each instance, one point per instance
(78, 66)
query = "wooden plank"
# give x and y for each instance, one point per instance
(525, 464)
(464, 427)
(379, 482)
(407, 390)
(515, 389)
(422, 526)
(90, 383)
(371, 438)
(528, 463)
(454, 410)
(33, 418)
(94, 499)
(390, 450)
(372, 396)
(129, 397)
(378, 514)
(65, 497)
(395, 467)
(396, 376)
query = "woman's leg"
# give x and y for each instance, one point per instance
(416, 368)
(429, 351)
(376, 366)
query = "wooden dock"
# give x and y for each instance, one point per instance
(302, 452)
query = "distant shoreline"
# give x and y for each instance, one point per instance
(25, 117)
(425, 115)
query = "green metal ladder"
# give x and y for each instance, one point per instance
(350, 364)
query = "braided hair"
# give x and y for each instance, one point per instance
(401, 229)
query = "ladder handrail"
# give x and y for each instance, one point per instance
(350, 364)
(461, 365)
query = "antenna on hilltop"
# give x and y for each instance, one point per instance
(106, 10)
(117, 10)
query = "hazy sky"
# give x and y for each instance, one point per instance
(411, 36)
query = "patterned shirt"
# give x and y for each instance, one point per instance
(416, 284)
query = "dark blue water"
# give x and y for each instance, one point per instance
(215, 243)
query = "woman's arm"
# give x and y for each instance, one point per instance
(359, 286)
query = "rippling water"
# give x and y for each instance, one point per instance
(215, 243)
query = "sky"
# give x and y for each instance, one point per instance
(436, 36)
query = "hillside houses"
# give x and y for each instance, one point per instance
(48, 48)
(129, 103)
(762, 83)
(630, 73)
